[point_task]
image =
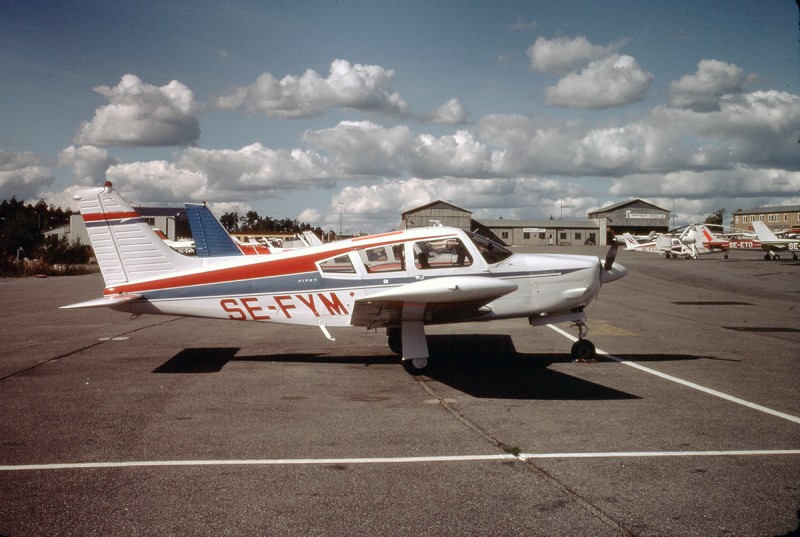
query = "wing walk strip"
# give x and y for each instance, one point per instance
(687, 383)
(393, 460)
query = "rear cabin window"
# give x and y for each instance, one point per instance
(337, 265)
(383, 259)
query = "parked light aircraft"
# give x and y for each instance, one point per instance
(184, 246)
(401, 280)
(692, 241)
(212, 240)
(773, 244)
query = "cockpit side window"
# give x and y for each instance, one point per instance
(441, 253)
(490, 251)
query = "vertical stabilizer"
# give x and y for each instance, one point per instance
(125, 246)
(764, 233)
(210, 238)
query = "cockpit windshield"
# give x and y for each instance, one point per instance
(490, 250)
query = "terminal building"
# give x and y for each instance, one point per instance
(635, 216)
(777, 218)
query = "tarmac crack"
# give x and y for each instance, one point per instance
(87, 347)
(528, 463)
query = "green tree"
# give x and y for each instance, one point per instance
(716, 218)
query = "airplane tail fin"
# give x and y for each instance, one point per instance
(630, 242)
(210, 238)
(763, 232)
(125, 246)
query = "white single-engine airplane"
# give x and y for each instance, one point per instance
(772, 244)
(400, 280)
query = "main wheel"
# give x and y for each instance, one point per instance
(417, 366)
(583, 350)
(395, 340)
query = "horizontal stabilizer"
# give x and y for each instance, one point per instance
(104, 302)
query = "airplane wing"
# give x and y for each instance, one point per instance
(104, 302)
(432, 300)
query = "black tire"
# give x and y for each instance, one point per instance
(583, 350)
(395, 340)
(413, 370)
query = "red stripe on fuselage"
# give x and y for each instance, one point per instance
(98, 217)
(269, 267)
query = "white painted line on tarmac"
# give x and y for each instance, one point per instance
(393, 460)
(687, 383)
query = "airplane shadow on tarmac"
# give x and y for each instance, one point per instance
(484, 366)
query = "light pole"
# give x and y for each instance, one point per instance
(341, 208)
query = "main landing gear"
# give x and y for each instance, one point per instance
(583, 350)
(413, 366)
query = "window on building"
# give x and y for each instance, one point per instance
(577, 236)
(526, 235)
(504, 234)
(562, 236)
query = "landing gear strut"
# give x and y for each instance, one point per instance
(583, 350)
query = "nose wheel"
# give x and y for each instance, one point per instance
(583, 350)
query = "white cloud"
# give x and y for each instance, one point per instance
(23, 175)
(140, 114)
(355, 86)
(561, 54)
(256, 169)
(158, 181)
(89, 163)
(703, 90)
(612, 81)
(363, 148)
(450, 113)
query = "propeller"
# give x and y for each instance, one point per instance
(611, 256)
(610, 271)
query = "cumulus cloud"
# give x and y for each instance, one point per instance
(561, 54)
(256, 169)
(354, 86)
(23, 175)
(158, 181)
(612, 81)
(703, 90)
(450, 113)
(363, 148)
(593, 76)
(88, 163)
(140, 114)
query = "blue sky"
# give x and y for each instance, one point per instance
(504, 108)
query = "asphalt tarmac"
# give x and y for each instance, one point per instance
(689, 425)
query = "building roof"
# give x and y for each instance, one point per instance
(542, 224)
(622, 204)
(770, 209)
(438, 204)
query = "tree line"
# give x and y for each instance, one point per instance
(22, 227)
(252, 222)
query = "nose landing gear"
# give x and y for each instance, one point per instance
(583, 350)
